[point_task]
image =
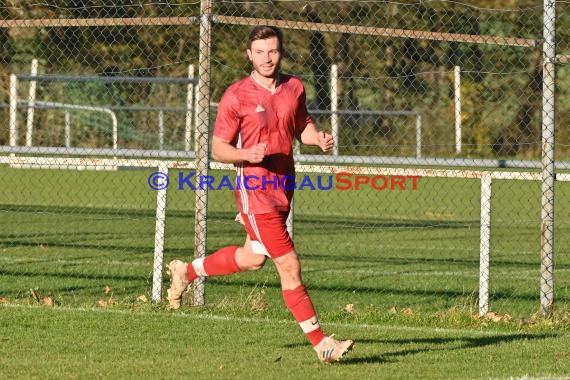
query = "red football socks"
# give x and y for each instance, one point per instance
(299, 303)
(223, 262)
(220, 263)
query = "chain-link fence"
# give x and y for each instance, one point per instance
(444, 125)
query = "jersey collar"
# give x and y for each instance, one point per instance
(277, 82)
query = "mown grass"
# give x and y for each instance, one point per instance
(398, 271)
(65, 343)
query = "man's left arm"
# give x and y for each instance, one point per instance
(312, 136)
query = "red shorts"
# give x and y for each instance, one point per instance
(268, 233)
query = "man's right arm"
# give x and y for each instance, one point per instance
(224, 151)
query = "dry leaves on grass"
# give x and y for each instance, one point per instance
(35, 294)
(48, 301)
(498, 317)
(405, 311)
(349, 308)
(3, 300)
(105, 303)
(111, 301)
(493, 317)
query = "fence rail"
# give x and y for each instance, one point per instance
(470, 98)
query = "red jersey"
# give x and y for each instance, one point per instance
(250, 113)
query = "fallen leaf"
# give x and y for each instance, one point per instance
(111, 301)
(3, 300)
(48, 301)
(492, 316)
(562, 355)
(407, 311)
(106, 290)
(142, 298)
(392, 310)
(349, 308)
(102, 303)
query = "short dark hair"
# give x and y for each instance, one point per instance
(263, 32)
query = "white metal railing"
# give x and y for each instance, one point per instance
(32, 104)
(67, 107)
(486, 178)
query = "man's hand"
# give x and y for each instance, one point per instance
(256, 153)
(224, 151)
(326, 141)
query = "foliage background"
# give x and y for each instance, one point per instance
(501, 85)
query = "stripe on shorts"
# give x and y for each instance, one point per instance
(257, 245)
(253, 225)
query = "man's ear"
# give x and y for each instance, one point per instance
(249, 54)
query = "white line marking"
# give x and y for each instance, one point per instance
(225, 318)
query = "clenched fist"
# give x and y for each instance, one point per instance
(326, 141)
(255, 153)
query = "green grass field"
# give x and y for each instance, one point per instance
(62, 343)
(398, 271)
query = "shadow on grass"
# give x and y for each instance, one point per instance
(74, 275)
(354, 288)
(434, 344)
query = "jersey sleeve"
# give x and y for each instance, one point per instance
(227, 120)
(302, 117)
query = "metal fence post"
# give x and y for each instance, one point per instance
(334, 107)
(67, 129)
(31, 103)
(548, 174)
(161, 129)
(485, 245)
(418, 135)
(159, 234)
(13, 123)
(202, 129)
(189, 109)
(457, 92)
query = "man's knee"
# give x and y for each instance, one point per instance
(256, 263)
(288, 264)
(248, 260)
(289, 269)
